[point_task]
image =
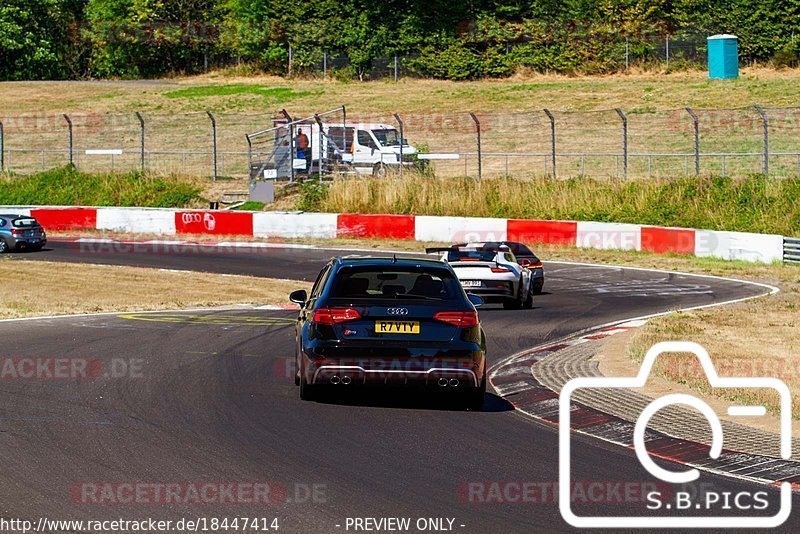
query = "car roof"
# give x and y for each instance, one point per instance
(388, 261)
(15, 216)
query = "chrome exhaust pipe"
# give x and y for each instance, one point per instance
(443, 382)
(454, 382)
(335, 379)
(346, 380)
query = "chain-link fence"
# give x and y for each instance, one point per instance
(611, 143)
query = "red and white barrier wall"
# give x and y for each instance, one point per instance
(764, 248)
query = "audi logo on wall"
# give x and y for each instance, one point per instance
(208, 220)
(397, 311)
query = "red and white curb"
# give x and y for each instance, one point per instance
(513, 380)
(745, 246)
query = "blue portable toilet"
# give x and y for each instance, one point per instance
(723, 56)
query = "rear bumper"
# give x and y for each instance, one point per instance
(489, 293)
(23, 243)
(354, 375)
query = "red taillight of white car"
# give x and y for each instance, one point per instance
(331, 316)
(462, 319)
(500, 270)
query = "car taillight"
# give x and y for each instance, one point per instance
(462, 319)
(536, 265)
(500, 270)
(332, 316)
(17, 232)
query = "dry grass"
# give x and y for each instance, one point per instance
(99, 288)
(750, 204)
(435, 115)
(519, 93)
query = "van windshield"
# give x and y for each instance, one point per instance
(387, 137)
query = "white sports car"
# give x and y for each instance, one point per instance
(493, 275)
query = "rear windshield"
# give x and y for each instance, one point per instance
(470, 255)
(517, 248)
(401, 283)
(26, 222)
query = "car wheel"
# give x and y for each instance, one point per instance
(3, 246)
(529, 299)
(307, 391)
(515, 303)
(476, 397)
(379, 170)
(538, 285)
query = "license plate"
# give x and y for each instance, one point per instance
(471, 283)
(396, 327)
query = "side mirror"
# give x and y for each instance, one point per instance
(299, 297)
(475, 300)
(525, 262)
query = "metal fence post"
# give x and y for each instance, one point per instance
(624, 142)
(141, 132)
(344, 132)
(325, 64)
(291, 143)
(2, 148)
(478, 132)
(69, 126)
(696, 123)
(765, 122)
(249, 157)
(321, 145)
(402, 138)
(213, 140)
(552, 139)
(395, 67)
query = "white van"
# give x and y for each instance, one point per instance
(368, 147)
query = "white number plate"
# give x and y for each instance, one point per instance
(471, 283)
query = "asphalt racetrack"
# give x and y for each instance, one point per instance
(193, 397)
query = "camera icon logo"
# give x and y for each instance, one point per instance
(675, 477)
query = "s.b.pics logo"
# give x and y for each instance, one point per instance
(690, 500)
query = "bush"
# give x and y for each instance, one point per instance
(68, 186)
(312, 195)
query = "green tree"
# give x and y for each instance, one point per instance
(34, 40)
(134, 38)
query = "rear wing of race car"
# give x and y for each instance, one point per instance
(452, 248)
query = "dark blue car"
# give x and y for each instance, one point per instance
(389, 322)
(21, 232)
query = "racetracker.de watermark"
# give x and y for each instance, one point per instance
(32, 368)
(159, 493)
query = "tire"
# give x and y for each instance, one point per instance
(476, 397)
(3, 246)
(538, 285)
(379, 170)
(307, 391)
(515, 303)
(528, 304)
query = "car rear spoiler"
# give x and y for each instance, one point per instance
(435, 250)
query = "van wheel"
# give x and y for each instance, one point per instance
(379, 170)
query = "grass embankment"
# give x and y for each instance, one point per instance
(222, 92)
(752, 204)
(68, 186)
(101, 288)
